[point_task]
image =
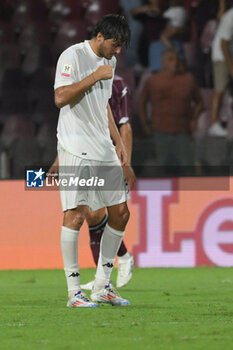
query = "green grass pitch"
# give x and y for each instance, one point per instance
(171, 309)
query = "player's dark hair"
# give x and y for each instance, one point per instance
(113, 27)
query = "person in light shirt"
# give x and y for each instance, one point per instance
(97, 220)
(86, 128)
(222, 61)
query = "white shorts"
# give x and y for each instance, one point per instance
(95, 196)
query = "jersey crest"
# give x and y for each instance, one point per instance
(66, 70)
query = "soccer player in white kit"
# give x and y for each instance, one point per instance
(83, 86)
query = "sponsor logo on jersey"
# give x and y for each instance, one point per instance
(66, 70)
(124, 92)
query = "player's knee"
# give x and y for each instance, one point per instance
(95, 217)
(73, 219)
(77, 220)
(125, 217)
(118, 219)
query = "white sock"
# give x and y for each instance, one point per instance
(109, 245)
(69, 247)
(124, 257)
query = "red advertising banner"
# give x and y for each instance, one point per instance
(182, 222)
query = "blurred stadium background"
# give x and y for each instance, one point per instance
(177, 221)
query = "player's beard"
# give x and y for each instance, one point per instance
(102, 53)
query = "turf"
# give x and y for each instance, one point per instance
(171, 309)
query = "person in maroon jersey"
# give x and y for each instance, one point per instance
(97, 220)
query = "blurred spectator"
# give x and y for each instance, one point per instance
(136, 30)
(205, 18)
(222, 68)
(15, 127)
(150, 15)
(18, 142)
(170, 37)
(176, 103)
(34, 32)
(208, 10)
(69, 33)
(203, 62)
(96, 9)
(46, 139)
(176, 17)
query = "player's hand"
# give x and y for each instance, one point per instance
(103, 72)
(53, 172)
(121, 153)
(129, 176)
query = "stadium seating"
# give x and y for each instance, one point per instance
(46, 138)
(7, 8)
(7, 34)
(98, 8)
(69, 33)
(63, 10)
(45, 57)
(14, 89)
(24, 153)
(17, 126)
(76, 9)
(10, 56)
(33, 33)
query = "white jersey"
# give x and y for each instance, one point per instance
(83, 125)
(224, 32)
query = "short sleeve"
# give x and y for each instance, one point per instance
(65, 71)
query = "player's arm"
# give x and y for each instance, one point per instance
(55, 163)
(67, 94)
(226, 51)
(114, 133)
(127, 138)
(53, 170)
